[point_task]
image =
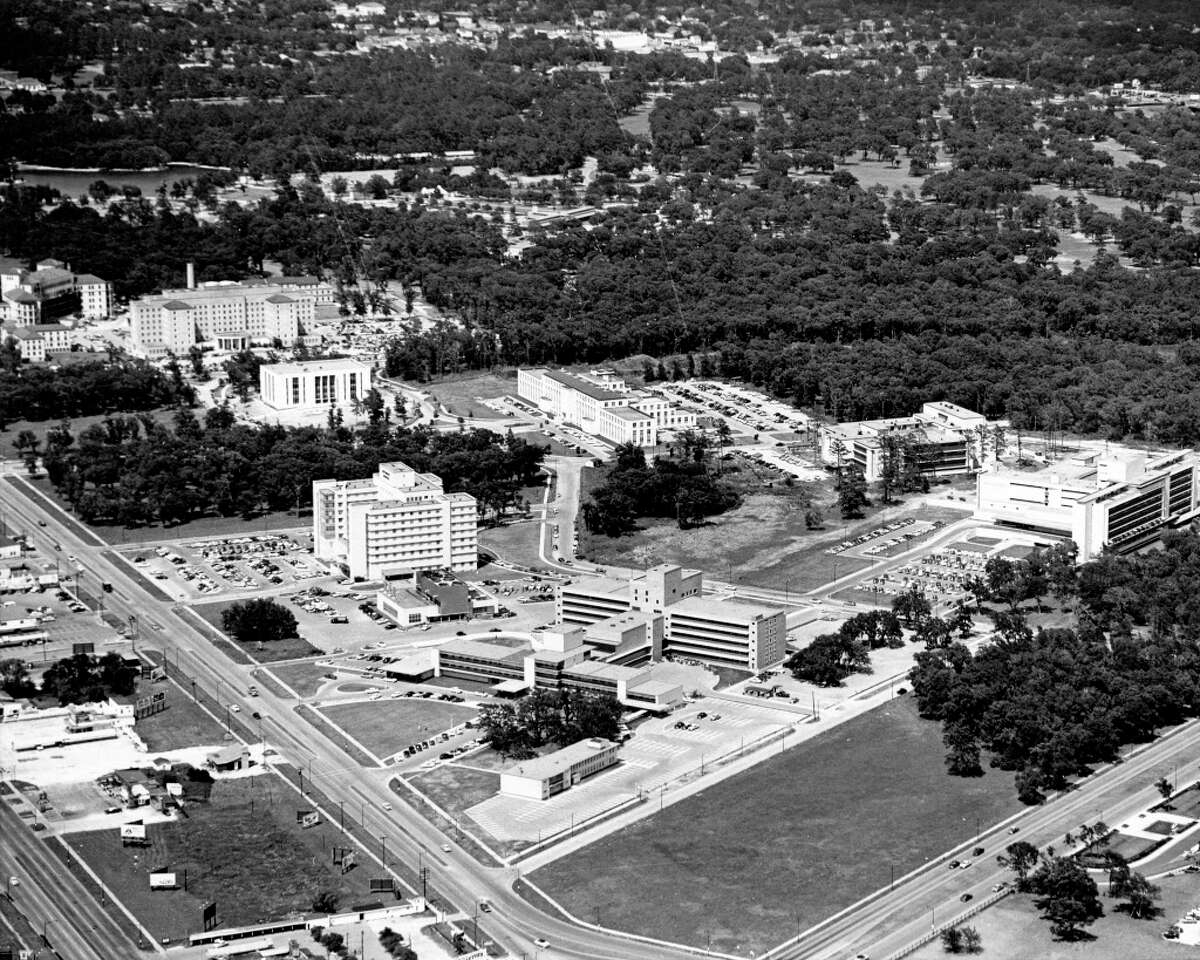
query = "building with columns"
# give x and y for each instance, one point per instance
(313, 383)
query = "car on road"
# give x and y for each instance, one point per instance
(446, 848)
(996, 888)
(964, 865)
(542, 943)
(954, 864)
(386, 805)
(235, 708)
(485, 906)
(966, 897)
(71, 557)
(256, 715)
(41, 523)
(1013, 829)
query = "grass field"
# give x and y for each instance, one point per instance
(762, 542)
(182, 724)
(827, 821)
(243, 849)
(1013, 929)
(460, 395)
(289, 649)
(304, 678)
(40, 428)
(456, 789)
(517, 543)
(387, 726)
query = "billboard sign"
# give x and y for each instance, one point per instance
(145, 706)
(135, 831)
(311, 819)
(208, 913)
(163, 880)
(348, 861)
(85, 648)
(382, 884)
(174, 789)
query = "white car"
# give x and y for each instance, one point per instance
(542, 943)
(446, 848)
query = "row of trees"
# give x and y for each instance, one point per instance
(81, 678)
(134, 471)
(518, 728)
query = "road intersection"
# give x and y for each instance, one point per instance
(881, 924)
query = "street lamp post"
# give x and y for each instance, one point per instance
(383, 850)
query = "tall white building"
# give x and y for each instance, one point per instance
(601, 404)
(227, 314)
(1120, 502)
(393, 524)
(312, 383)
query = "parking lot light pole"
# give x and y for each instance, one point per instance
(383, 850)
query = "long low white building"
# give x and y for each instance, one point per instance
(543, 777)
(1117, 502)
(600, 403)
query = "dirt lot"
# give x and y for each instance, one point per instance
(242, 849)
(182, 724)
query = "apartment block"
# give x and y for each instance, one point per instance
(394, 524)
(30, 297)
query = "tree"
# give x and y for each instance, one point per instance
(972, 940)
(1139, 895)
(326, 902)
(1021, 856)
(829, 659)
(1066, 895)
(952, 940)
(14, 679)
(852, 494)
(26, 444)
(196, 359)
(260, 619)
(912, 606)
(1163, 786)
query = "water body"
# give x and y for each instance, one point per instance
(72, 183)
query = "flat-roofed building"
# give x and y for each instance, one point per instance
(942, 440)
(231, 315)
(543, 777)
(29, 297)
(313, 383)
(628, 638)
(731, 633)
(600, 403)
(1119, 502)
(589, 600)
(393, 525)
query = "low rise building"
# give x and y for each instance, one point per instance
(943, 439)
(600, 403)
(1120, 502)
(544, 777)
(729, 633)
(313, 383)
(30, 345)
(394, 524)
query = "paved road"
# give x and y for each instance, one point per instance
(878, 927)
(412, 839)
(49, 894)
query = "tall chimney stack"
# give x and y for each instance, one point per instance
(191, 276)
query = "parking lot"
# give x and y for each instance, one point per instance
(660, 753)
(744, 410)
(207, 567)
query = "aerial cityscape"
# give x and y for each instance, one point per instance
(623, 482)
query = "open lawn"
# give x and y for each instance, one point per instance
(289, 649)
(516, 543)
(456, 789)
(763, 542)
(304, 678)
(40, 428)
(243, 849)
(1013, 929)
(831, 816)
(460, 395)
(182, 724)
(387, 726)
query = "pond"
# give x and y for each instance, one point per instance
(72, 183)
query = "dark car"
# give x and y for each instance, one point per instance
(967, 896)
